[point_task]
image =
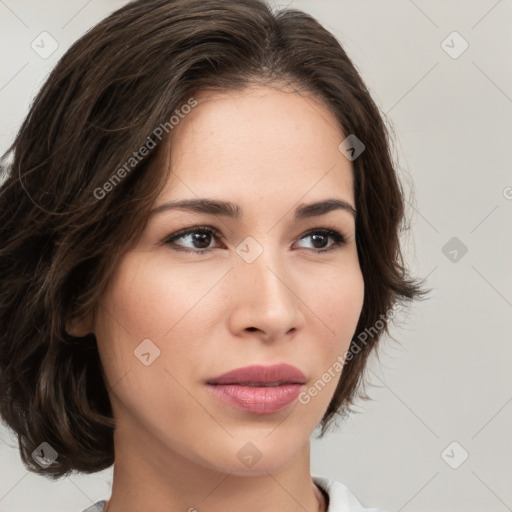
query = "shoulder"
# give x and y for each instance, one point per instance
(97, 507)
(340, 497)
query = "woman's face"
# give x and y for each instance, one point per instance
(257, 292)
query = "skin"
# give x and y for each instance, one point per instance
(176, 445)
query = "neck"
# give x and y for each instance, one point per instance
(149, 476)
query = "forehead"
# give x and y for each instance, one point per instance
(256, 142)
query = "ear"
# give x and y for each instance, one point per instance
(79, 327)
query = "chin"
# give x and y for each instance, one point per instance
(256, 455)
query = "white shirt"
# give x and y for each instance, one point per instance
(340, 498)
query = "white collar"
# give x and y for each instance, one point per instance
(340, 497)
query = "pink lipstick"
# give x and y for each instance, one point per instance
(259, 389)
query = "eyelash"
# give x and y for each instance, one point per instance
(339, 239)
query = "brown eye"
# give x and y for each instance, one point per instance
(198, 239)
(320, 239)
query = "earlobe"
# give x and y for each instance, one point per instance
(79, 327)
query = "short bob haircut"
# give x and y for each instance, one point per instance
(60, 238)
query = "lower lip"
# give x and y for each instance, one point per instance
(257, 400)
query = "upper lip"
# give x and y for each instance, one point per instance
(257, 374)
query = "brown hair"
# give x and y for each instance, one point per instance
(59, 243)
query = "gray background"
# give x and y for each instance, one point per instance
(447, 377)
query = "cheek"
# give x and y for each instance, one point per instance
(148, 299)
(151, 298)
(338, 302)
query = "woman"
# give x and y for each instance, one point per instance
(199, 250)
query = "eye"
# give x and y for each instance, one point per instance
(199, 239)
(320, 237)
(199, 236)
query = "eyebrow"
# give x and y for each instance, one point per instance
(232, 210)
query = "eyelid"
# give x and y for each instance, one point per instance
(186, 231)
(340, 239)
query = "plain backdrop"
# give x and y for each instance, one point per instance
(436, 434)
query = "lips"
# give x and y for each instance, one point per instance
(258, 389)
(261, 376)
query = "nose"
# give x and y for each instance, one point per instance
(265, 298)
